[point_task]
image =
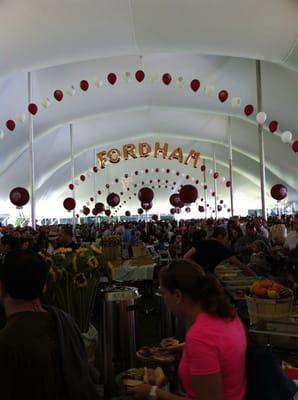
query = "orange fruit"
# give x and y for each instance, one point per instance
(277, 287)
(260, 291)
(266, 284)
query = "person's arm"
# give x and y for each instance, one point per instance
(235, 261)
(189, 254)
(141, 392)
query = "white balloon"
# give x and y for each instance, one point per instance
(88, 203)
(209, 90)
(46, 102)
(236, 102)
(71, 90)
(210, 171)
(76, 183)
(224, 206)
(21, 117)
(97, 82)
(286, 137)
(1, 135)
(127, 77)
(223, 179)
(261, 117)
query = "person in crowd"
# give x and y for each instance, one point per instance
(278, 233)
(211, 252)
(214, 356)
(291, 242)
(42, 355)
(234, 231)
(260, 228)
(259, 259)
(186, 241)
(53, 240)
(9, 243)
(242, 246)
(66, 238)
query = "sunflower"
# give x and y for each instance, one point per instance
(53, 274)
(96, 249)
(92, 262)
(49, 262)
(80, 281)
(67, 250)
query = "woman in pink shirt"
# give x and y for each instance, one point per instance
(212, 366)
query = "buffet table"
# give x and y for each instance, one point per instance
(127, 272)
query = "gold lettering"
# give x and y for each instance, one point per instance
(101, 158)
(193, 155)
(129, 150)
(144, 149)
(176, 155)
(163, 150)
(114, 156)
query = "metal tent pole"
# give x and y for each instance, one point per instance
(72, 169)
(31, 154)
(205, 191)
(261, 139)
(215, 184)
(231, 165)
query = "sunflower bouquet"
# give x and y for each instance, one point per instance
(112, 240)
(73, 281)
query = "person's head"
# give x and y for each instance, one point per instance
(250, 229)
(66, 235)
(219, 233)
(278, 234)
(185, 286)
(9, 243)
(53, 238)
(199, 235)
(23, 275)
(259, 246)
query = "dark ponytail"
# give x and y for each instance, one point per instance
(202, 289)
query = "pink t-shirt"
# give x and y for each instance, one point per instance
(215, 345)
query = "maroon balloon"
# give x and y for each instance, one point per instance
(197, 181)
(248, 109)
(187, 177)
(108, 213)
(140, 75)
(19, 196)
(136, 172)
(175, 199)
(113, 199)
(116, 180)
(127, 213)
(140, 211)
(188, 194)
(221, 201)
(166, 78)
(58, 94)
(203, 168)
(213, 194)
(71, 186)
(69, 203)
(107, 185)
(32, 108)
(94, 211)
(100, 207)
(168, 171)
(177, 210)
(172, 210)
(99, 192)
(273, 126)
(202, 199)
(223, 96)
(295, 146)
(228, 184)
(228, 210)
(187, 209)
(177, 173)
(215, 175)
(205, 187)
(201, 209)
(146, 171)
(145, 195)
(95, 169)
(112, 78)
(219, 208)
(82, 177)
(78, 215)
(279, 192)
(195, 85)
(10, 125)
(157, 170)
(84, 85)
(91, 198)
(86, 210)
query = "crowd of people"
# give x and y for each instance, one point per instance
(41, 352)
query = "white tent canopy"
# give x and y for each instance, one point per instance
(64, 42)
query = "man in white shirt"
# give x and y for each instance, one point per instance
(292, 239)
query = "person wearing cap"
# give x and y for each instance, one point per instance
(53, 238)
(42, 354)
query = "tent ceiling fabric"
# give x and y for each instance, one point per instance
(217, 42)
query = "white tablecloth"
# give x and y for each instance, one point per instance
(134, 273)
